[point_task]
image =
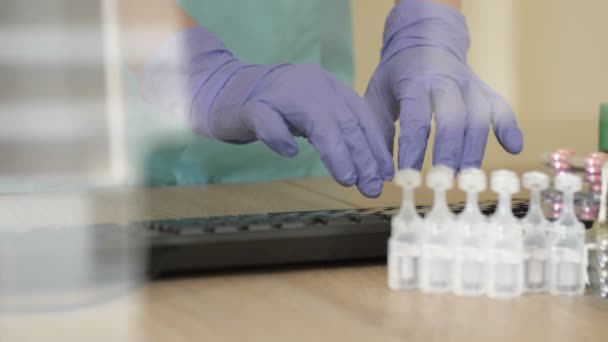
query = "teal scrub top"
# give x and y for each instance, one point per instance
(262, 32)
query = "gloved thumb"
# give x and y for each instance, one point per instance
(269, 127)
(505, 126)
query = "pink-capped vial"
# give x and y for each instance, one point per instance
(561, 154)
(593, 172)
(594, 161)
(559, 162)
(588, 203)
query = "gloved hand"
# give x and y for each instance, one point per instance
(195, 76)
(423, 70)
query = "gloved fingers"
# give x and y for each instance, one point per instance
(369, 180)
(477, 127)
(270, 128)
(334, 152)
(376, 136)
(384, 105)
(505, 124)
(415, 119)
(450, 120)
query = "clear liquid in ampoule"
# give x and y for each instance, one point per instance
(404, 254)
(437, 248)
(404, 244)
(536, 240)
(470, 259)
(536, 270)
(567, 266)
(505, 241)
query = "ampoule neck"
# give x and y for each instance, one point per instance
(535, 213)
(568, 216)
(503, 209)
(471, 208)
(408, 210)
(440, 204)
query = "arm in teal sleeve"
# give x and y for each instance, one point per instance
(454, 3)
(144, 31)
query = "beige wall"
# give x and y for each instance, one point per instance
(549, 58)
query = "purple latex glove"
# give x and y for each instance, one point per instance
(424, 70)
(196, 77)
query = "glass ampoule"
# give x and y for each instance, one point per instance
(597, 243)
(536, 240)
(567, 266)
(505, 241)
(437, 248)
(404, 243)
(470, 258)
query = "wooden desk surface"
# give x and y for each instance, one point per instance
(348, 302)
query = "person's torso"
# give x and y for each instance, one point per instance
(282, 31)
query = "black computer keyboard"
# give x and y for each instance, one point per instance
(176, 246)
(184, 245)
